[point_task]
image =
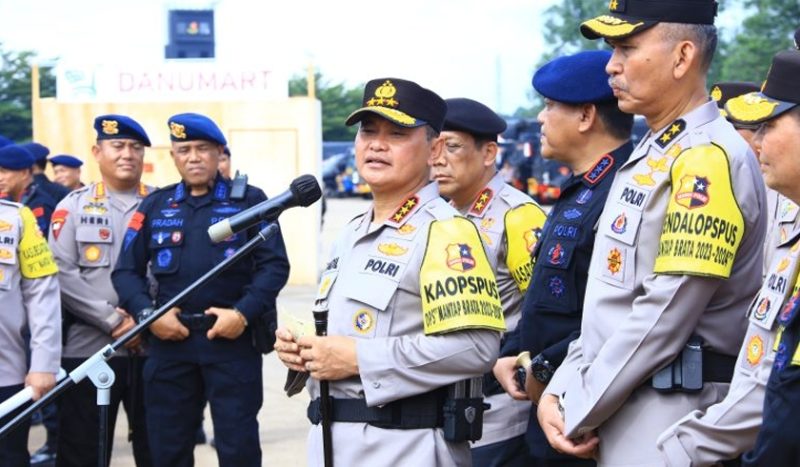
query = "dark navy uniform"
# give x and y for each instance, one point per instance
(53, 189)
(168, 233)
(551, 313)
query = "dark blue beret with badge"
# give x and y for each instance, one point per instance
(114, 126)
(193, 127)
(402, 102)
(38, 151)
(15, 157)
(66, 160)
(628, 17)
(575, 79)
(5, 141)
(472, 117)
(780, 92)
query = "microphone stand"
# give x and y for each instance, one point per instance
(96, 368)
(320, 312)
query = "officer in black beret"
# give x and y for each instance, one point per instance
(403, 365)
(40, 153)
(204, 349)
(508, 220)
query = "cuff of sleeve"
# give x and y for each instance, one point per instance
(673, 452)
(44, 362)
(251, 308)
(559, 382)
(113, 319)
(376, 375)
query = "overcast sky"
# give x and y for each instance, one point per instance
(482, 49)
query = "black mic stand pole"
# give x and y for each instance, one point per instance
(96, 368)
(320, 312)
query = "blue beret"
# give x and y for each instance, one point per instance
(15, 157)
(66, 160)
(114, 126)
(575, 79)
(38, 151)
(5, 141)
(472, 117)
(191, 127)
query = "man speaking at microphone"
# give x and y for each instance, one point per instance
(201, 350)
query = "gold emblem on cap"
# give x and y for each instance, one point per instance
(750, 107)
(384, 96)
(716, 93)
(110, 127)
(610, 26)
(177, 130)
(612, 5)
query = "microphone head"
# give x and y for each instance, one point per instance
(305, 190)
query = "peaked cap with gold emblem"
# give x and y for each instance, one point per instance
(725, 91)
(628, 17)
(113, 126)
(780, 92)
(192, 127)
(402, 102)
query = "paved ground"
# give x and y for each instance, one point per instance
(282, 419)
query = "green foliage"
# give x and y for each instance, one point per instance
(767, 30)
(15, 93)
(338, 101)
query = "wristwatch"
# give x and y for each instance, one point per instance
(144, 313)
(541, 369)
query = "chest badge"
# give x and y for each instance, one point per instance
(363, 321)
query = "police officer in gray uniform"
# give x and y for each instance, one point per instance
(678, 253)
(414, 306)
(30, 297)
(509, 222)
(729, 428)
(86, 235)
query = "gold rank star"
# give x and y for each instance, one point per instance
(674, 129)
(410, 203)
(612, 5)
(479, 205)
(397, 217)
(665, 137)
(484, 197)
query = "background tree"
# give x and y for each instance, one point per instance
(15, 93)
(767, 29)
(338, 101)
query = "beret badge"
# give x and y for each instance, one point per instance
(110, 127)
(177, 130)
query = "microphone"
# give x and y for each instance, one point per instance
(304, 191)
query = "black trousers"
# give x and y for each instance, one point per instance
(14, 446)
(78, 415)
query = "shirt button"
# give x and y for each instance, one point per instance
(376, 384)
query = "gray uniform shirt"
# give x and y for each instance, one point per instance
(730, 427)
(657, 276)
(783, 219)
(29, 296)
(373, 288)
(86, 235)
(501, 228)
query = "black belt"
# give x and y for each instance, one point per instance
(197, 321)
(717, 367)
(416, 412)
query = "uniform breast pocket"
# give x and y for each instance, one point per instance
(94, 246)
(165, 252)
(368, 312)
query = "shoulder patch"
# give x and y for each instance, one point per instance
(599, 170)
(483, 200)
(457, 285)
(671, 133)
(36, 260)
(704, 225)
(523, 225)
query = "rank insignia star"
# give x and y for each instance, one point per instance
(676, 128)
(482, 201)
(404, 210)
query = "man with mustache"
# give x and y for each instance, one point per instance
(678, 253)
